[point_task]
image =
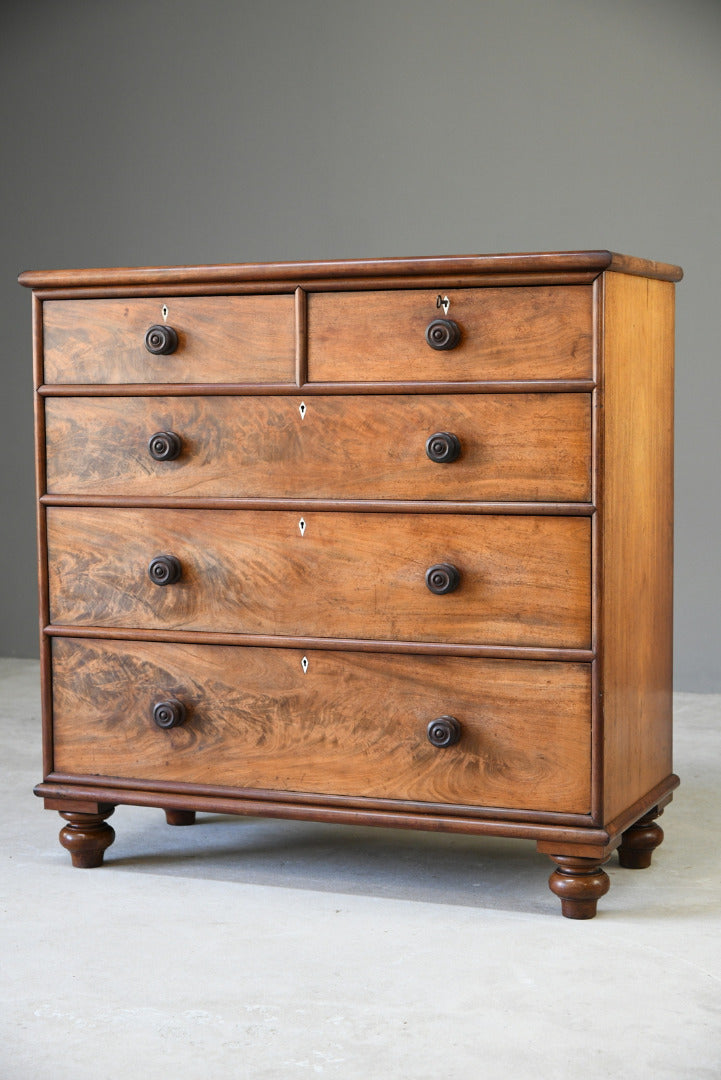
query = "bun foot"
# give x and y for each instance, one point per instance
(579, 883)
(639, 842)
(86, 837)
(180, 817)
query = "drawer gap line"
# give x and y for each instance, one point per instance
(525, 386)
(370, 506)
(430, 648)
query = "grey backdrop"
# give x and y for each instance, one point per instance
(183, 131)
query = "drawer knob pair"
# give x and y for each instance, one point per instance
(441, 578)
(161, 340)
(441, 447)
(443, 731)
(443, 334)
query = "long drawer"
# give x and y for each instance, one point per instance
(337, 724)
(524, 580)
(509, 446)
(533, 332)
(220, 339)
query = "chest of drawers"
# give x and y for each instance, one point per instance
(382, 542)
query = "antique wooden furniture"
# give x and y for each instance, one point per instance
(385, 542)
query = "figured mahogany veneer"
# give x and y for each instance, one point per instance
(524, 580)
(220, 339)
(384, 541)
(526, 447)
(341, 724)
(529, 333)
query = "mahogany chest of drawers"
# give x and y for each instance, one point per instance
(385, 542)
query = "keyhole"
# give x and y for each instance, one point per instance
(164, 311)
(301, 526)
(302, 410)
(304, 664)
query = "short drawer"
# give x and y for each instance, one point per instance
(220, 339)
(344, 724)
(509, 446)
(533, 332)
(524, 580)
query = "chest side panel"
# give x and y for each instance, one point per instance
(637, 532)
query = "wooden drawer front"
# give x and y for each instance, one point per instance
(513, 446)
(525, 580)
(221, 339)
(534, 332)
(351, 724)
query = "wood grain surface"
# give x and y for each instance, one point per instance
(221, 339)
(637, 538)
(351, 724)
(513, 446)
(525, 580)
(538, 332)
(528, 265)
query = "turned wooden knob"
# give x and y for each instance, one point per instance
(164, 570)
(161, 340)
(442, 578)
(164, 445)
(443, 334)
(443, 447)
(167, 714)
(444, 731)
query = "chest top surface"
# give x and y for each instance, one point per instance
(506, 266)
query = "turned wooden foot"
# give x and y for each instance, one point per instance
(639, 842)
(579, 883)
(180, 817)
(86, 837)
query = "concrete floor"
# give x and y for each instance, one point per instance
(263, 950)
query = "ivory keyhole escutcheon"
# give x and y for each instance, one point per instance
(302, 410)
(164, 312)
(301, 526)
(304, 664)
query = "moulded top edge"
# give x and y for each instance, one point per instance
(558, 262)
